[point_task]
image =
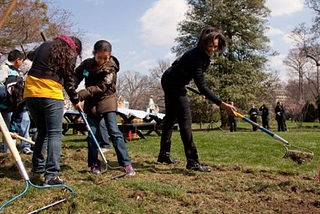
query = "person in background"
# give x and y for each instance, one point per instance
(52, 70)
(189, 67)
(151, 105)
(11, 65)
(253, 112)
(284, 118)
(9, 71)
(232, 121)
(264, 116)
(279, 111)
(11, 101)
(99, 96)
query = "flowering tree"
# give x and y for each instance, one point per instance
(296, 111)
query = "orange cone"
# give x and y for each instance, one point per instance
(130, 135)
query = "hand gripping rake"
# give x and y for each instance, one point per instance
(17, 158)
(299, 154)
(99, 149)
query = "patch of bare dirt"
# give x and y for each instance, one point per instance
(234, 189)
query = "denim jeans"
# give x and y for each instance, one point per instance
(24, 131)
(116, 138)
(47, 115)
(103, 136)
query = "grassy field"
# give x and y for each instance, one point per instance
(248, 175)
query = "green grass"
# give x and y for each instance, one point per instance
(248, 175)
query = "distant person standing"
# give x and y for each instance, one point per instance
(253, 112)
(279, 111)
(265, 116)
(152, 107)
(232, 121)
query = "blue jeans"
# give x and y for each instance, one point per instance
(47, 115)
(116, 138)
(24, 130)
(103, 136)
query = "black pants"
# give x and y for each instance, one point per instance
(280, 125)
(177, 107)
(254, 119)
(232, 124)
(265, 122)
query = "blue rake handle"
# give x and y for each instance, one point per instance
(93, 136)
(285, 142)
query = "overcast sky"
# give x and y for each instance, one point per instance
(142, 32)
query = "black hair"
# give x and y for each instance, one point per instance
(17, 93)
(102, 45)
(14, 55)
(209, 34)
(78, 44)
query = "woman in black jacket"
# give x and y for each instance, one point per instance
(189, 67)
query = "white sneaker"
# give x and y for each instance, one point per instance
(104, 150)
(129, 170)
(27, 151)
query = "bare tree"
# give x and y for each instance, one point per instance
(296, 63)
(27, 20)
(156, 74)
(315, 5)
(134, 87)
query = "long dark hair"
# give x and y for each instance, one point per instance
(209, 34)
(62, 58)
(17, 93)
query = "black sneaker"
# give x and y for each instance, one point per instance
(53, 181)
(198, 167)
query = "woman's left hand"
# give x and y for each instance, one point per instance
(229, 108)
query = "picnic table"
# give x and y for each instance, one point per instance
(152, 122)
(72, 118)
